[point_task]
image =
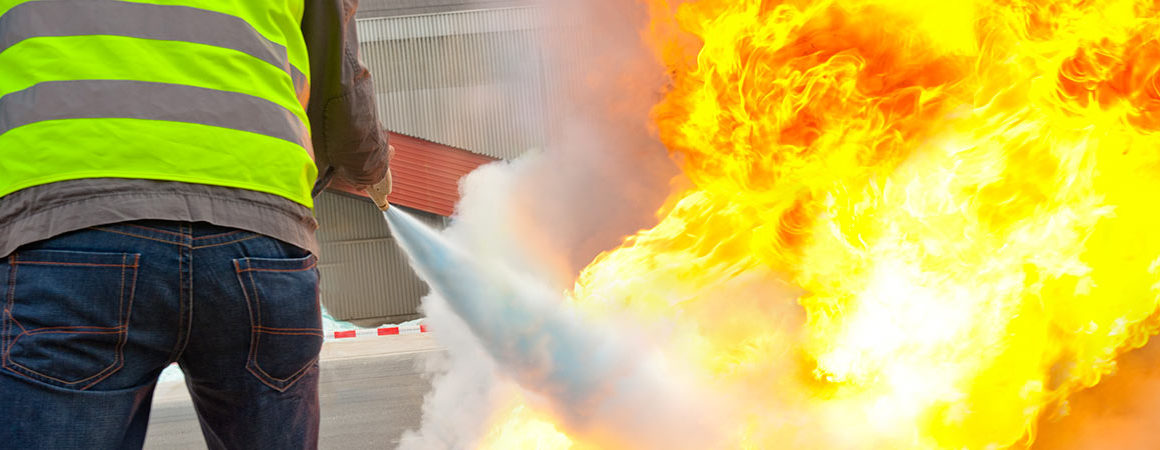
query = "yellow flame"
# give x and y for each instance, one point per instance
(913, 224)
(524, 428)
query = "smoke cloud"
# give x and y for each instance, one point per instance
(542, 218)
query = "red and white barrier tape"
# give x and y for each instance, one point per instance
(383, 331)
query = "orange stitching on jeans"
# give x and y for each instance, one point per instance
(104, 373)
(182, 244)
(249, 309)
(121, 330)
(258, 299)
(122, 309)
(255, 336)
(311, 266)
(218, 235)
(53, 263)
(27, 333)
(256, 329)
(55, 330)
(124, 335)
(228, 243)
(40, 330)
(17, 322)
(121, 295)
(250, 368)
(9, 368)
(112, 370)
(119, 358)
(261, 375)
(291, 376)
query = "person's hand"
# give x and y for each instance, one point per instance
(379, 191)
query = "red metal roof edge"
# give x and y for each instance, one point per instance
(426, 174)
(396, 137)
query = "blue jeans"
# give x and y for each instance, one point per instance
(90, 319)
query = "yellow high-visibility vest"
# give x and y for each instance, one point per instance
(208, 91)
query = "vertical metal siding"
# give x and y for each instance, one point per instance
(469, 79)
(383, 8)
(365, 275)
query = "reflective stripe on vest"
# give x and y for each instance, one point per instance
(103, 88)
(56, 100)
(145, 21)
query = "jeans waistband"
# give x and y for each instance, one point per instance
(196, 234)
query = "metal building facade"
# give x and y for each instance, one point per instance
(468, 79)
(468, 82)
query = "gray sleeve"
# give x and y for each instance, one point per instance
(347, 137)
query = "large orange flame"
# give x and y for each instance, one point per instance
(912, 224)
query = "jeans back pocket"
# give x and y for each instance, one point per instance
(285, 317)
(66, 315)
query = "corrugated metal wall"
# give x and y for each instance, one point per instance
(384, 8)
(365, 275)
(470, 79)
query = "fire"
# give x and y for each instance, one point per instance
(911, 224)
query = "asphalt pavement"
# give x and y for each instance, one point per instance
(371, 390)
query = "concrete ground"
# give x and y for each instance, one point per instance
(371, 390)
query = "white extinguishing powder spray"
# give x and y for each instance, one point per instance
(599, 387)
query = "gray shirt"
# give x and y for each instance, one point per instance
(41, 212)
